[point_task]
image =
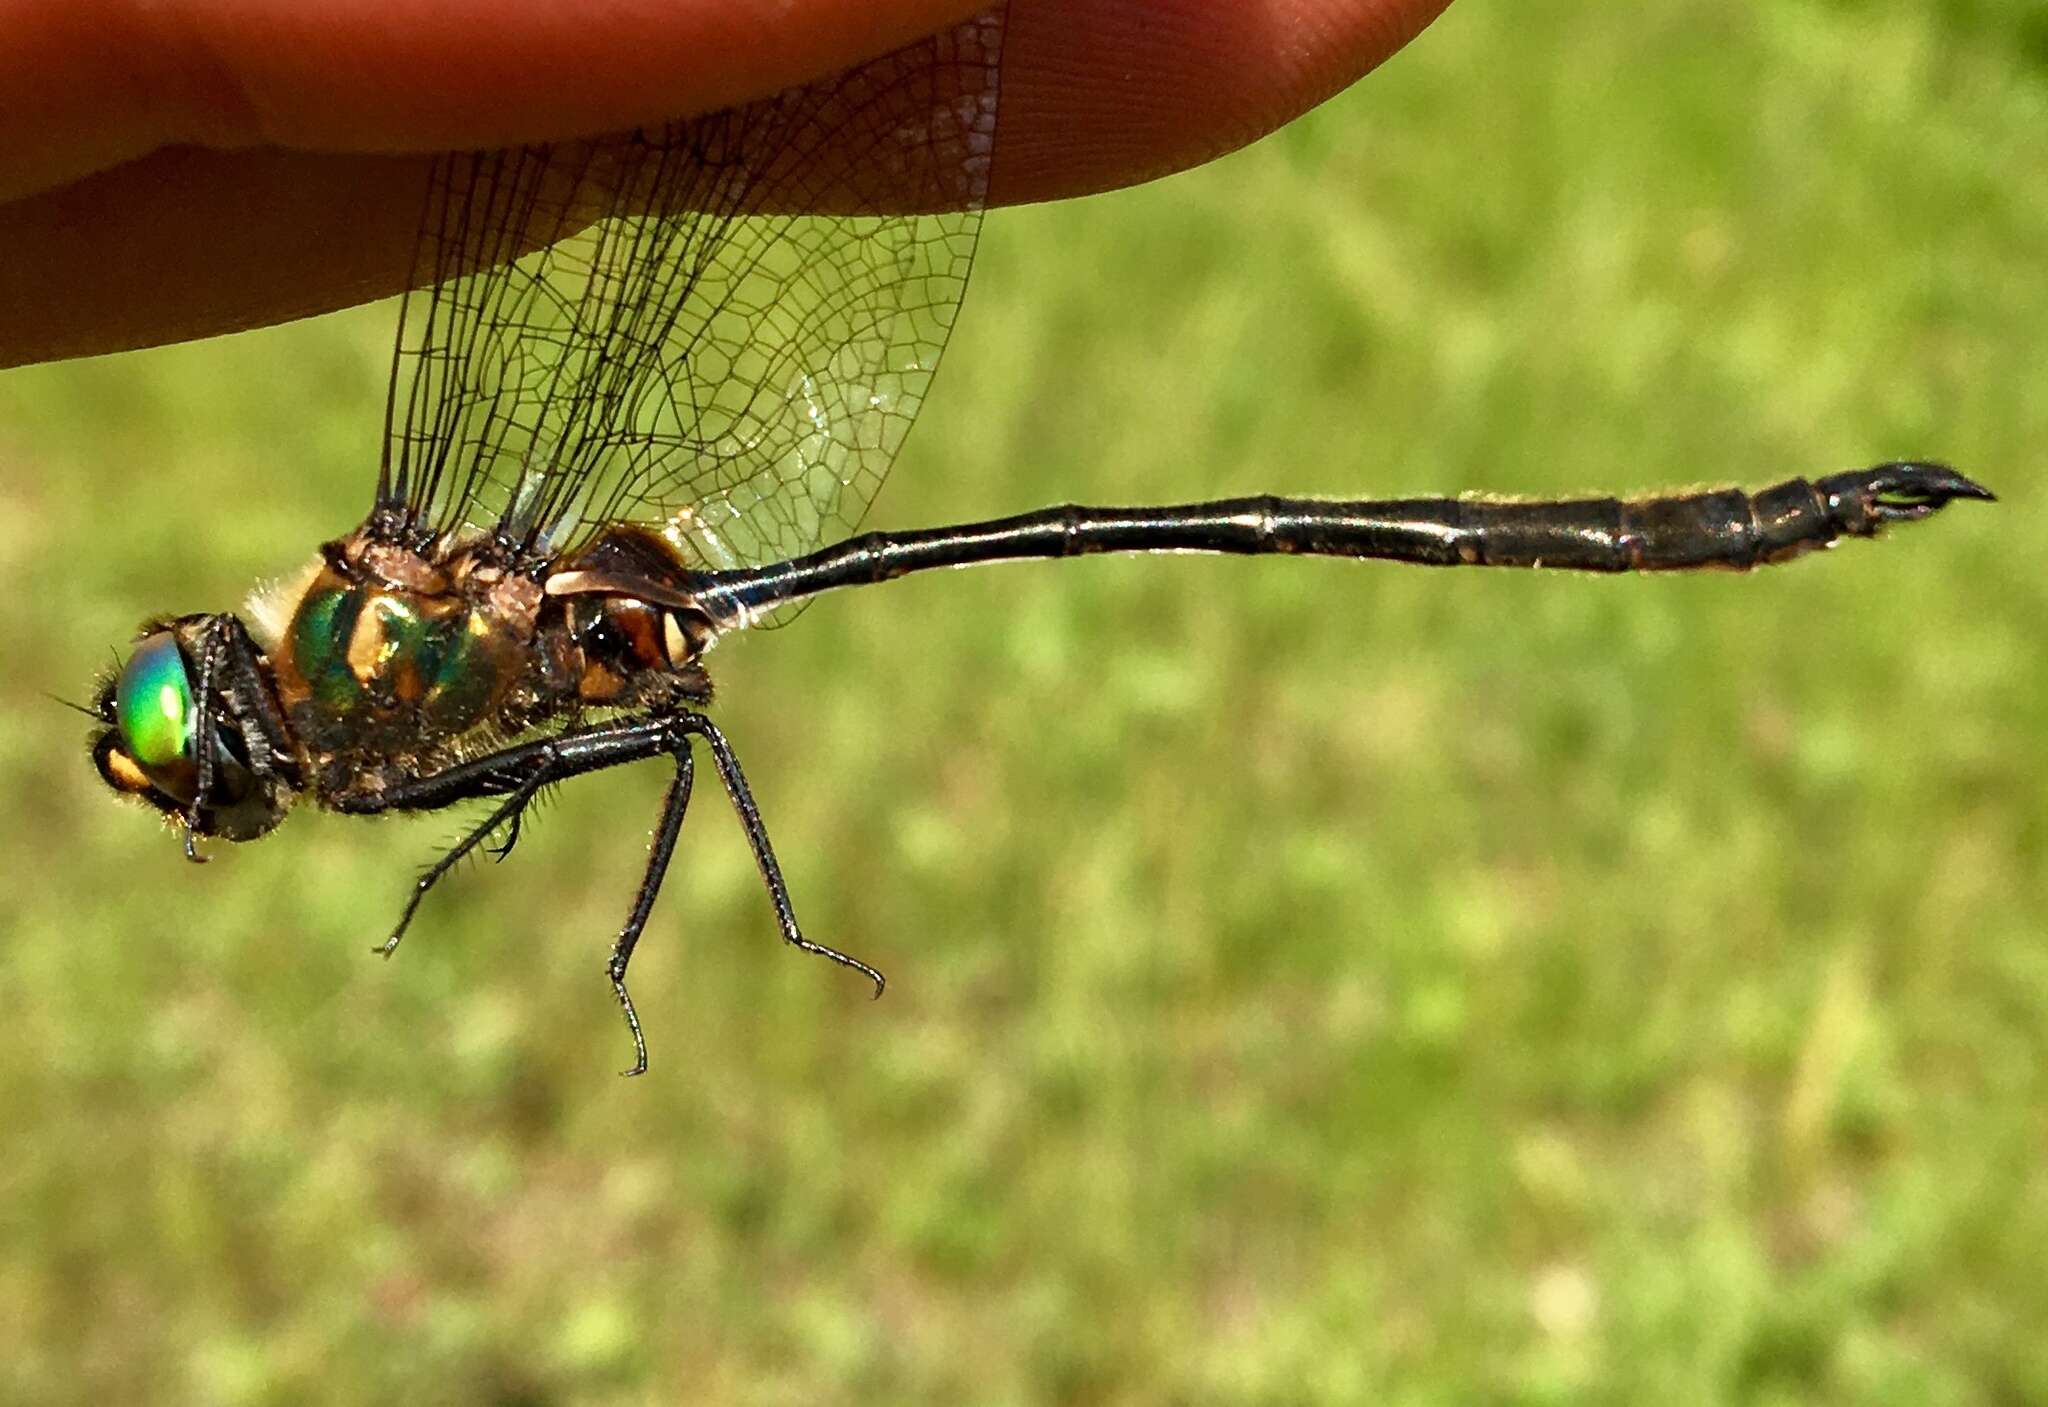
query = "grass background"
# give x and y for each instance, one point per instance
(1311, 982)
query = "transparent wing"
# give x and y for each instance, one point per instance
(723, 327)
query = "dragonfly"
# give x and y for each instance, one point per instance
(643, 391)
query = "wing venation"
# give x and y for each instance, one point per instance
(723, 327)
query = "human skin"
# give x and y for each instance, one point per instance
(182, 168)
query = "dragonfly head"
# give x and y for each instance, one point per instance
(149, 746)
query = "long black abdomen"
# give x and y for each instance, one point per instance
(1726, 528)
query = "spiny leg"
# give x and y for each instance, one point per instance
(204, 742)
(735, 782)
(502, 851)
(227, 667)
(232, 661)
(520, 771)
(673, 805)
(510, 807)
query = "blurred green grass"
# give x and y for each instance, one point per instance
(1310, 982)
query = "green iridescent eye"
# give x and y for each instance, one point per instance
(153, 706)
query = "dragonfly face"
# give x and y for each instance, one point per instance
(182, 748)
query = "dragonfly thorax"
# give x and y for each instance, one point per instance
(391, 663)
(387, 653)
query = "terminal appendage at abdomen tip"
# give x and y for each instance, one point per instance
(1904, 491)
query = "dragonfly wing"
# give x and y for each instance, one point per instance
(722, 327)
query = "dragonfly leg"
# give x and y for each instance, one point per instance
(673, 805)
(228, 670)
(503, 849)
(742, 799)
(518, 773)
(232, 662)
(506, 810)
(207, 730)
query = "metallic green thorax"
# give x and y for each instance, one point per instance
(319, 643)
(362, 649)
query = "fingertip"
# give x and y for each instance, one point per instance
(1097, 95)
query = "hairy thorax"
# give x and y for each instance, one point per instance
(391, 664)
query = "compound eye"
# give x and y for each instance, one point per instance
(156, 715)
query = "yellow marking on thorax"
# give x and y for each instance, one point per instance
(369, 645)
